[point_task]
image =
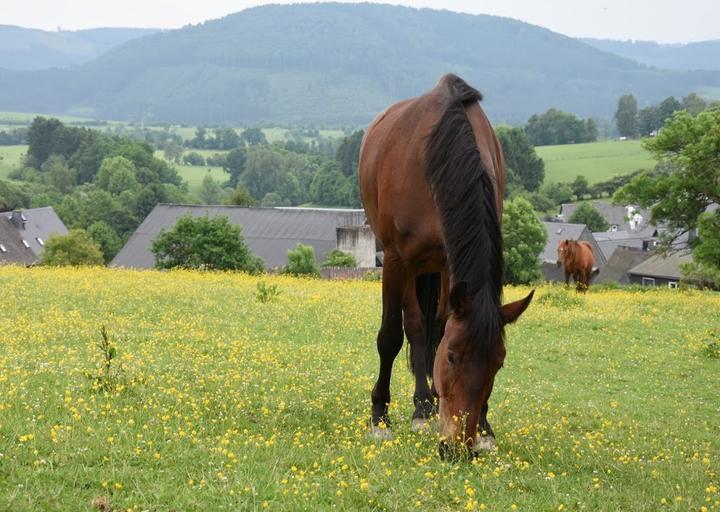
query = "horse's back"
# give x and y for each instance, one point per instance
(396, 194)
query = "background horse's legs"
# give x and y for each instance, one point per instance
(414, 322)
(390, 337)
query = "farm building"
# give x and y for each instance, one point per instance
(269, 232)
(557, 231)
(622, 259)
(23, 234)
(659, 270)
(630, 219)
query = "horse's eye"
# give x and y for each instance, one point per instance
(452, 360)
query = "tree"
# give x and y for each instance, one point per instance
(301, 262)
(559, 192)
(76, 249)
(558, 127)
(648, 121)
(193, 158)
(58, 174)
(210, 191)
(116, 174)
(204, 242)
(106, 238)
(524, 240)
(173, 151)
(271, 199)
(329, 187)
(240, 197)
(234, 165)
(626, 115)
(705, 267)
(580, 186)
(253, 136)
(338, 258)
(694, 104)
(687, 179)
(348, 152)
(587, 214)
(521, 158)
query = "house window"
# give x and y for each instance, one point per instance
(648, 281)
(2, 248)
(40, 241)
(672, 284)
(27, 245)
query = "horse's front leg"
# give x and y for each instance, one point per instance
(421, 351)
(389, 343)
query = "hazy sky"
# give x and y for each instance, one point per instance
(657, 20)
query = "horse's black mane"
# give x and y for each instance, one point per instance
(465, 196)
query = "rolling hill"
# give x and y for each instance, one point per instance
(681, 57)
(32, 49)
(336, 64)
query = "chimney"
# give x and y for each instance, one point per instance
(18, 220)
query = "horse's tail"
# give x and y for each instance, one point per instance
(427, 290)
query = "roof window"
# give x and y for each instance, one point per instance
(2, 248)
(40, 241)
(27, 245)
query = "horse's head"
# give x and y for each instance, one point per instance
(564, 250)
(470, 353)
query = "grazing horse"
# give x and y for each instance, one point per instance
(577, 260)
(431, 181)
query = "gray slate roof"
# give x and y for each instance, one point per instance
(622, 260)
(39, 224)
(33, 226)
(13, 250)
(614, 215)
(269, 232)
(663, 267)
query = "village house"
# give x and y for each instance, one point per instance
(23, 234)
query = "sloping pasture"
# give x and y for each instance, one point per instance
(215, 400)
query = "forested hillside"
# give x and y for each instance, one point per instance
(32, 49)
(339, 64)
(681, 57)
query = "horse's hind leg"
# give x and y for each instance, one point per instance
(414, 323)
(389, 339)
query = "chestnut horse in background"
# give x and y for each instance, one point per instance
(431, 181)
(577, 260)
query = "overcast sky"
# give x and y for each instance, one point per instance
(656, 20)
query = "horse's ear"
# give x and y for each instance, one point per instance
(459, 299)
(512, 311)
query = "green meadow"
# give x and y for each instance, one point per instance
(597, 161)
(212, 399)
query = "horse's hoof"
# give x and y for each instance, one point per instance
(421, 424)
(380, 433)
(485, 443)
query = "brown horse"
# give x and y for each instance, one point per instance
(431, 181)
(577, 260)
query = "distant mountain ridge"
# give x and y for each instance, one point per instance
(331, 64)
(681, 57)
(33, 49)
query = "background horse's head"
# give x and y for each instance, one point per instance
(565, 251)
(469, 356)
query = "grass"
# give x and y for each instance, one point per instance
(597, 161)
(10, 157)
(224, 402)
